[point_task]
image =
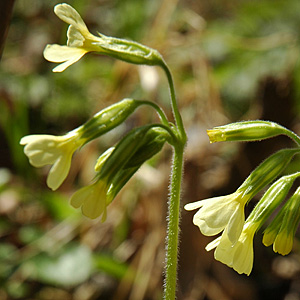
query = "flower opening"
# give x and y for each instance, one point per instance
(80, 40)
(245, 131)
(216, 214)
(52, 150)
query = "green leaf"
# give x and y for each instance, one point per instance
(72, 266)
(112, 266)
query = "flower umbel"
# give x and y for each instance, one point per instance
(52, 150)
(218, 213)
(81, 41)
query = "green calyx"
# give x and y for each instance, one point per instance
(108, 118)
(249, 131)
(274, 196)
(129, 51)
(267, 171)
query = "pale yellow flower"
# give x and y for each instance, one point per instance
(238, 256)
(42, 149)
(80, 40)
(92, 199)
(216, 214)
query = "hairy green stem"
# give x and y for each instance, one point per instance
(160, 112)
(173, 225)
(293, 136)
(177, 116)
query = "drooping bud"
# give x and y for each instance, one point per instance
(282, 229)
(151, 144)
(129, 151)
(245, 131)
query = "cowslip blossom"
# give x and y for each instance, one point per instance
(53, 150)
(216, 214)
(81, 41)
(42, 149)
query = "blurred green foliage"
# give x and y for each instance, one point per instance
(259, 39)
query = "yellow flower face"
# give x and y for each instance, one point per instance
(238, 256)
(218, 213)
(44, 150)
(92, 200)
(80, 40)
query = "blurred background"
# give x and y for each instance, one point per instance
(231, 60)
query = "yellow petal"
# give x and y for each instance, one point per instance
(75, 38)
(236, 223)
(79, 197)
(69, 15)
(52, 150)
(59, 171)
(224, 251)
(195, 205)
(57, 53)
(269, 237)
(41, 149)
(92, 200)
(213, 244)
(243, 257)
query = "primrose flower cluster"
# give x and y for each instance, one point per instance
(120, 162)
(226, 213)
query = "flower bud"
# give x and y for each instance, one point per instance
(152, 143)
(102, 158)
(129, 151)
(245, 131)
(282, 229)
